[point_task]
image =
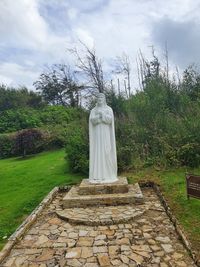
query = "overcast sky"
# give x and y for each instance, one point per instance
(35, 33)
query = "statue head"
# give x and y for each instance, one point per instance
(101, 100)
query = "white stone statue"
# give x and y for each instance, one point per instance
(103, 159)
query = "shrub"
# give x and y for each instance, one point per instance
(29, 141)
(124, 157)
(17, 119)
(189, 154)
(77, 147)
(24, 118)
(58, 115)
(54, 136)
(126, 143)
(6, 145)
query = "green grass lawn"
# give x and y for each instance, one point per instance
(25, 182)
(173, 186)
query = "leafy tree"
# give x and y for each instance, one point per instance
(58, 86)
(191, 83)
(12, 98)
(17, 119)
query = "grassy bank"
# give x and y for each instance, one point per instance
(173, 186)
(25, 182)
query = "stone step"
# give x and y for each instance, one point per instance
(74, 199)
(120, 186)
(94, 216)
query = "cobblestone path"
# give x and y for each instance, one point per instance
(148, 239)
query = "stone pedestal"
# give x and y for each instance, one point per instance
(117, 193)
(120, 186)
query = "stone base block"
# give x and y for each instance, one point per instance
(120, 186)
(73, 199)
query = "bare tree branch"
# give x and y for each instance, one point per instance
(123, 67)
(91, 66)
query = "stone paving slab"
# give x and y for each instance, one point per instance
(73, 199)
(147, 240)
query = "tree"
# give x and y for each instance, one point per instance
(12, 98)
(191, 82)
(28, 141)
(148, 70)
(91, 66)
(123, 67)
(58, 86)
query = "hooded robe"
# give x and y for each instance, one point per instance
(103, 159)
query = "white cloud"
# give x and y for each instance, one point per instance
(85, 37)
(25, 36)
(38, 32)
(180, 30)
(21, 24)
(5, 80)
(16, 75)
(72, 13)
